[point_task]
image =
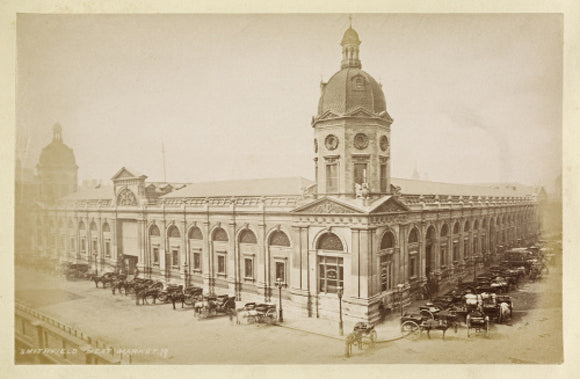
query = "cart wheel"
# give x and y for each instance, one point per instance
(188, 301)
(163, 297)
(149, 299)
(271, 316)
(411, 329)
(427, 315)
(373, 338)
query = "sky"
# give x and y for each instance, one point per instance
(474, 98)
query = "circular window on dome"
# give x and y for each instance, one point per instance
(331, 142)
(361, 141)
(384, 143)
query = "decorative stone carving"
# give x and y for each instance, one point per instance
(126, 198)
(328, 207)
(361, 141)
(331, 142)
(384, 143)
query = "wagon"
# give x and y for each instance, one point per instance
(213, 305)
(477, 322)
(363, 333)
(259, 313)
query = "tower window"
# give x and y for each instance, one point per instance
(360, 171)
(332, 178)
(383, 178)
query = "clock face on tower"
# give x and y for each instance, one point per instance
(361, 141)
(331, 142)
(384, 143)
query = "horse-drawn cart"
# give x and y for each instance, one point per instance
(477, 322)
(210, 306)
(363, 334)
(259, 313)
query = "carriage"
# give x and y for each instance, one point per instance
(148, 292)
(192, 295)
(213, 305)
(430, 317)
(259, 313)
(478, 322)
(363, 333)
(107, 278)
(78, 271)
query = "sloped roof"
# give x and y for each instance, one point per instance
(423, 187)
(247, 187)
(93, 193)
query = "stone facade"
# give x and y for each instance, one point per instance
(366, 236)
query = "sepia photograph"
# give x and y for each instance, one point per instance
(316, 188)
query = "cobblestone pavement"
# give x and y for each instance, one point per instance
(533, 336)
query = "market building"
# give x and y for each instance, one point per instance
(354, 229)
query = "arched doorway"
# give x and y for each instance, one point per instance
(430, 241)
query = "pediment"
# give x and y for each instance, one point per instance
(124, 173)
(328, 114)
(390, 205)
(327, 206)
(361, 112)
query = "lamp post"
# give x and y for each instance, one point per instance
(339, 293)
(400, 290)
(185, 274)
(280, 284)
(96, 265)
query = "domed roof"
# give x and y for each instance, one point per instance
(349, 89)
(350, 37)
(56, 154)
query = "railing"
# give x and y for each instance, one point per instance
(41, 335)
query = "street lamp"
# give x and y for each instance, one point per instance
(400, 290)
(339, 293)
(96, 265)
(280, 284)
(185, 273)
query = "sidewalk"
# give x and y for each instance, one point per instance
(388, 330)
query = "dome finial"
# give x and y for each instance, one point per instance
(57, 132)
(350, 47)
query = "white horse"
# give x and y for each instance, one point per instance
(505, 312)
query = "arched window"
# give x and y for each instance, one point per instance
(220, 235)
(466, 228)
(330, 241)
(444, 230)
(247, 236)
(154, 231)
(388, 241)
(195, 233)
(106, 228)
(456, 228)
(279, 238)
(127, 198)
(414, 236)
(173, 232)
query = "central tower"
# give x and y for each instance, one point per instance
(352, 130)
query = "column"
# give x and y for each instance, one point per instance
(206, 260)
(184, 254)
(356, 277)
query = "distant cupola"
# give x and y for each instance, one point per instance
(350, 48)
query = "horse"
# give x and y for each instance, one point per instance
(504, 312)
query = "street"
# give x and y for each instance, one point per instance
(533, 335)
